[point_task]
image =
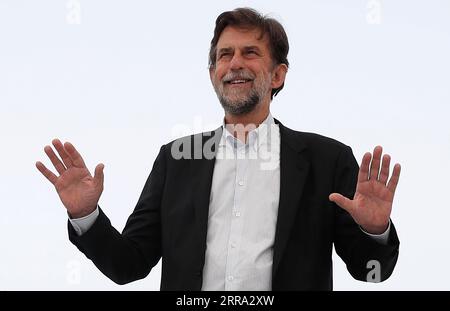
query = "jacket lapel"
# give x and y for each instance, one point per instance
(294, 167)
(202, 170)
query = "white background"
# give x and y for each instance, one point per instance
(117, 83)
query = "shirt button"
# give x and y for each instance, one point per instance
(241, 182)
(233, 245)
(230, 278)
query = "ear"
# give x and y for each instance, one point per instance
(211, 74)
(278, 75)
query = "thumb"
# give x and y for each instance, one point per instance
(98, 175)
(341, 201)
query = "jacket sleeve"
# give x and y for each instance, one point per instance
(365, 258)
(130, 255)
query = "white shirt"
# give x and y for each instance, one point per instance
(242, 212)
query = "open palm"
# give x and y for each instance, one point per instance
(77, 189)
(372, 203)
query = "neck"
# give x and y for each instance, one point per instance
(241, 125)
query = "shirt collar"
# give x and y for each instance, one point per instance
(257, 135)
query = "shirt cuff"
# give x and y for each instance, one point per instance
(380, 238)
(83, 224)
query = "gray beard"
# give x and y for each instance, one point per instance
(238, 105)
(241, 107)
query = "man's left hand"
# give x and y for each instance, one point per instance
(372, 203)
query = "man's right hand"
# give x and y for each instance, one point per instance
(77, 189)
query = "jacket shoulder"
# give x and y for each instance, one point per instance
(195, 146)
(316, 142)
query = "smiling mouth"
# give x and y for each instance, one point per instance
(238, 82)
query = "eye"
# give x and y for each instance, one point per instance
(252, 53)
(223, 54)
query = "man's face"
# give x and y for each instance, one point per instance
(243, 73)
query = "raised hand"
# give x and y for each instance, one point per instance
(77, 189)
(372, 203)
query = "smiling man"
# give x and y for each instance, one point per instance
(252, 205)
(243, 72)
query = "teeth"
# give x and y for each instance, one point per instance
(238, 81)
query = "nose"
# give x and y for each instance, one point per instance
(236, 62)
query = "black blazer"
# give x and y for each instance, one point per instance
(170, 220)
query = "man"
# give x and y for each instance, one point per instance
(252, 205)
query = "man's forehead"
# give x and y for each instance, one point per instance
(241, 37)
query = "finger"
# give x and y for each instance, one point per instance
(76, 158)
(98, 175)
(46, 172)
(375, 165)
(59, 166)
(62, 153)
(392, 185)
(384, 173)
(363, 174)
(341, 201)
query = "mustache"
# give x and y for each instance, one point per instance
(238, 75)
